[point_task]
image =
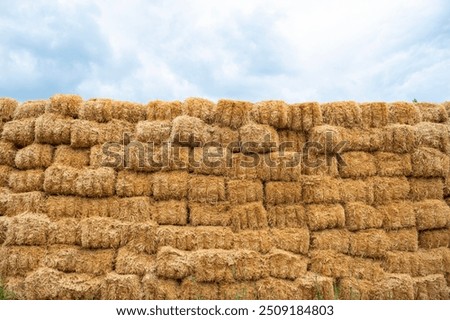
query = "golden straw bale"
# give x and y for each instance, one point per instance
(189, 131)
(295, 240)
(371, 243)
(313, 286)
(199, 108)
(7, 108)
(121, 287)
(431, 214)
(274, 113)
(118, 131)
(248, 265)
(163, 110)
(374, 114)
(107, 155)
(359, 215)
(356, 190)
(57, 207)
(325, 216)
(30, 109)
(428, 162)
(203, 214)
(237, 291)
(84, 133)
(103, 233)
(190, 289)
(99, 110)
(251, 216)
(404, 113)
(225, 137)
(5, 171)
(206, 189)
(53, 129)
(130, 184)
(421, 189)
(4, 223)
(18, 261)
(358, 139)
(15, 288)
(159, 289)
(20, 132)
(432, 112)
(214, 238)
(133, 209)
(286, 265)
(434, 238)
(65, 231)
(283, 192)
(258, 138)
(393, 164)
(213, 265)
(318, 189)
(403, 239)
(286, 216)
(131, 262)
(232, 113)
(317, 164)
(276, 289)
(170, 185)
(128, 111)
(291, 140)
(142, 237)
(431, 287)
(242, 166)
(416, 264)
(243, 191)
(12, 204)
(64, 104)
(171, 212)
(344, 113)
(334, 239)
(357, 165)
(433, 135)
(209, 160)
(393, 286)
(305, 116)
(255, 240)
(349, 288)
(388, 189)
(26, 181)
(71, 157)
(444, 253)
(153, 131)
(28, 229)
(95, 182)
(326, 138)
(173, 264)
(399, 138)
(398, 214)
(8, 153)
(34, 156)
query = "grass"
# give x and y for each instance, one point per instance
(5, 294)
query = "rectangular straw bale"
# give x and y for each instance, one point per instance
(304, 116)
(433, 135)
(359, 215)
(417, 264)
(276, 289)
(4, 223)
(132, 209)
(251, 216)
(28, 229)
(295, 240)
(131, 184)
(357, 165)
(290, 140)
(34, 156)
(325, 216)
(398, 214)
(131, 262)
(444, 253)
(12, 204)
(393, 164)
(121, 287)
(361, 139)
(320, 189)
(334, 239)
(232, 113)
(30, 109)
(242, 166)
(159, 289)
(371, 243)
(20, 132)
(275, 113)
(326, 138)
(387, 189)
(170, 185)
(344, 113)
(243, 191)
(225, 137)
(15, 288)
(118, 131)
(283, 192)
(280, 166)
(84, 133)
(316, 164)
(163, 110)
(189, 131)
(403, 239)
(421, 189)
(392, 286)
(404, 113)
(8, 153)
(429, 239)
(214, 237)
(7, 108)
(98, 110)
(203, 214)
(258, 138)
(72, 157)
(431, 287)
(399, 138)
(103, 233)
(431, 214)
(286, 265)
(76, 207)
(26, 181)
(255, 240)
(107, 155)
(213, 265)
(64, 104)
(313, 286)
(19, 260)
(286, 216)
(171, 212)
(191, 289)
(95, 182)
(428, 162)
(374, 114)
(5, 171)
(206, 189)
(153, 131)
(65, 231)
(173, 264)
(249, 265)
(209, 160)
(53, 129)
(432, 112)
(142, 237)
(128, 111)
(199, 108)
(237, 291)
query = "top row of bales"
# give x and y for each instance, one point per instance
(233, 113)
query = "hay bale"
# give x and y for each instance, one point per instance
(28, 229)
(103, 233)
(393, 164)
(283, 193)
(286, 216)
(118, 131)
(326, 138)
(131, 262)
(107, 155)
(432, 287)
(237, 291)
(199, 108)
(173, 264)
(276, 289)
(387, 189)
(206, 189)
(251, 216)
(393, 286)
(95, 182)
(71, 157)
(356, 191)
(433, 135)
(225, 137)
(359, 216)
(417, 264)
(285, 265)
(133, 209)
(232, 113)
(428, 162)
(163, 110)
(421, 189)
(5, 171)
(357, 165)
(243, 191)
(26, 181)
(372, 243)
(133, 184)
(399, 138)
(4, 223)
(244, 167)
(8, 153)
(18, 261)
(34, 156)
(398, 214)
(344, 113)
(357, 139)
(431, 214)
(57, 207)
(274, 113)
(7, 108)
(259, 240)
(128, 111)
(121, 287)
(432, 112)
(374, 114)
(190, 289)
(318, 189)
(53, 129)
(98, 110)
(258, 138)
(404, 113)
(295, 240)
(30, 109)
(292, 141)
(159, 289)
(313, 286)
(153, 131)
(64, 104)
(334, 239)
(403, 239)
(170, 185)
(429, 239)
(171, 212)
(203, 214)
(325, 216)
(189, 131)
(209, 160)
(64, 231)
(248, 265)
(19, 132)
(213, 265)
(12, 204)
(305, 116)
(142, 237)
(85, 134)
(14, 287)
(316, 164)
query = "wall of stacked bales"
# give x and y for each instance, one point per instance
(77, 224)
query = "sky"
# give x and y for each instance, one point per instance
(296, 51)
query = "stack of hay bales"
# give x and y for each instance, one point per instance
(102, 199)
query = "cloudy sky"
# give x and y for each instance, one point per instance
(141, 50)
